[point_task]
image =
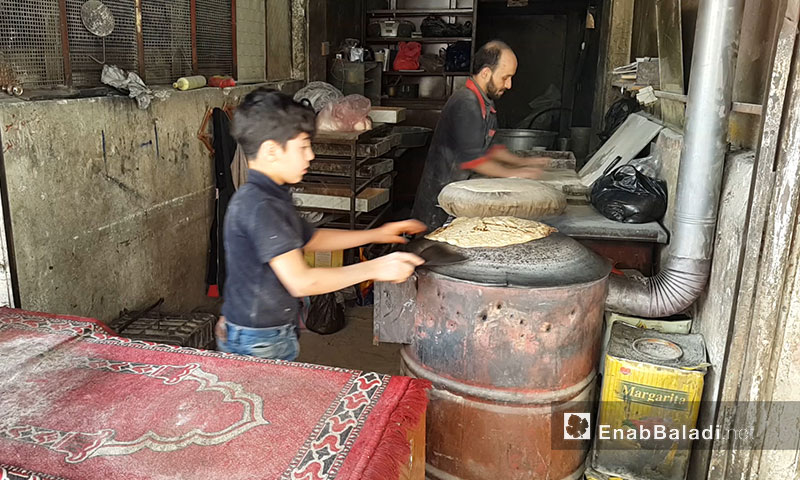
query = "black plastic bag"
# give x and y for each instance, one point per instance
(616, 116)
(433, 27)
(457, 58)
(627, 195)
(459, 29)
(325, 314)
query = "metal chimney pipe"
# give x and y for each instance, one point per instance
(688, 265)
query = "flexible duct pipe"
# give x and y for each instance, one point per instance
(686, 270)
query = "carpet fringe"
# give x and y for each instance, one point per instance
(394, 449)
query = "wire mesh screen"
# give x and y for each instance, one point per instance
(214, 37)
(31, 51)
(167, 32)
(120, 44)
(30, 41)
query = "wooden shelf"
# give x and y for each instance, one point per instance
(413, 12)
(420, 40)
(426, 74)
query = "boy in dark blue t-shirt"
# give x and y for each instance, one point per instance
(265, 238)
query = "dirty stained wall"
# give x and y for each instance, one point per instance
(111, 206)
(299, 36)
(714, 310)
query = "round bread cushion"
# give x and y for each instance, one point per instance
(496, 197)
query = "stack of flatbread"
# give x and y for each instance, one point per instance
(483, 232)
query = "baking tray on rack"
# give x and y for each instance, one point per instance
(370, 147)
(338, 198)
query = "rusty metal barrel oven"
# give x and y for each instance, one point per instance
(507, 337)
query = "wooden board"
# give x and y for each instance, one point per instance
(670, 59)
(415, 468)
(629, 139)
(615, 50)
(716, 306)
(6, 284)
(760, 25)
(317, 30)
(739, 369)
(394, 309)
(339, 198)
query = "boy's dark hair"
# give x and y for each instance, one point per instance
(267, 114)
(488, 56)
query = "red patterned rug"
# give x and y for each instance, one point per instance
(79, 403)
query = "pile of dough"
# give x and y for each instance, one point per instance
(492, 197)
(476, 232)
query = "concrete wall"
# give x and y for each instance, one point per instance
(111, 206)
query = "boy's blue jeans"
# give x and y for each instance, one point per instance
(277, 343)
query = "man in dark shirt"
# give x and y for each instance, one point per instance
(265, 237)
(460, 145)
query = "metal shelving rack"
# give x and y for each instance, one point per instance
(454, 11)
(355, 148)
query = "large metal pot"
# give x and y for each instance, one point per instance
(521, 139)
(510, 340)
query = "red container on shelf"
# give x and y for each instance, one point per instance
(221, 81)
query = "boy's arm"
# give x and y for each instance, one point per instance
(300, 280)
(325, 240)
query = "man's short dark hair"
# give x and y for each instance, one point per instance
(267, 114)
(488, 56)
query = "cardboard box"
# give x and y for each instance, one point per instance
(325, 259)
(652, 383)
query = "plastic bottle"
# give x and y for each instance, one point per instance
(189, 83)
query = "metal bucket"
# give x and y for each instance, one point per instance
(521, 139)
(506, 361)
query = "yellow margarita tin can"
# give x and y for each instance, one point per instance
(650, 398)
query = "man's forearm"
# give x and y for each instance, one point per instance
(326, 240)
(492, 168)
(505, 156)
